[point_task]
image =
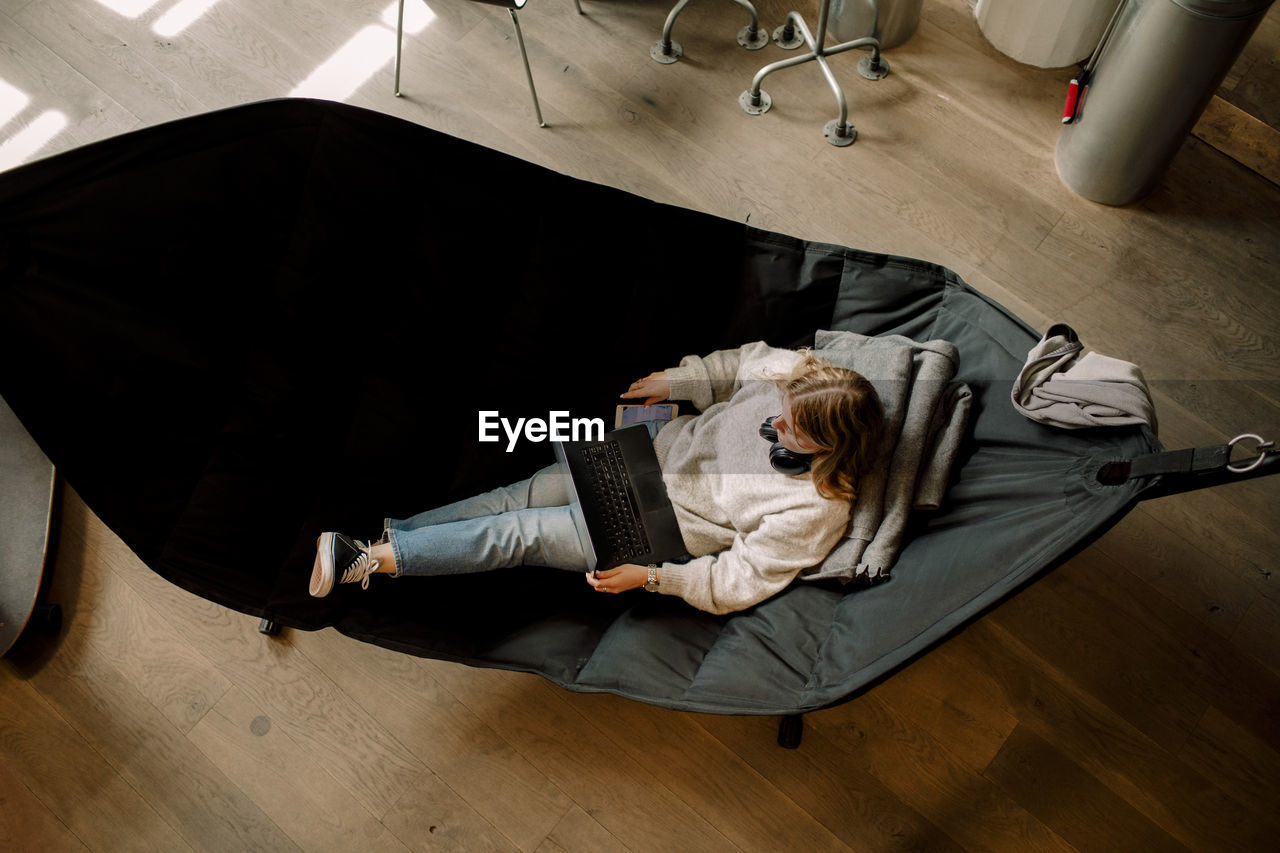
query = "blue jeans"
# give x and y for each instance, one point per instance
(528, 523)
(524, 524)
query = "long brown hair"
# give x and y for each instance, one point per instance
(838, 409)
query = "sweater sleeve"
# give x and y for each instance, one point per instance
(759, 563)
(706, 380)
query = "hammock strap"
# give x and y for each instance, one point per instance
(1176, 471)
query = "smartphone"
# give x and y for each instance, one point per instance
(628, 415)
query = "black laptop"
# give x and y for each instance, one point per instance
(619, 502)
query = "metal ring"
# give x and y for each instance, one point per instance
(1263, 447)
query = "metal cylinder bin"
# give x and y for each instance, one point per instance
(1157, 69)
(892, 22)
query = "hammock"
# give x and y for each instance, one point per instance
(240, 329)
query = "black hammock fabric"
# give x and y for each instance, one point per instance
(237, 330)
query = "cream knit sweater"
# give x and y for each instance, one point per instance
(750, 529)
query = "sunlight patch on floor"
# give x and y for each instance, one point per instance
(337, 78)
(364, 55)
(12, 102)
(24, 144)
(128, 8)
(181, 15)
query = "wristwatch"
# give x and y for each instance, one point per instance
(651, 585)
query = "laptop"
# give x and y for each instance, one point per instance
(619, 502)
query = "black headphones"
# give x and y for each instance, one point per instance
(786, 461)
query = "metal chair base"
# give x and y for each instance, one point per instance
(667, 51)
(791, 35)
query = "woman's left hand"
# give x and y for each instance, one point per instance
(620, 579)
(654, 388)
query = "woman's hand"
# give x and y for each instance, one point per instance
(654, 388)
(620, 579)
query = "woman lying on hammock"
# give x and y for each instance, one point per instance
(755, 506)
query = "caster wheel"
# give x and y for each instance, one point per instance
(47, 618)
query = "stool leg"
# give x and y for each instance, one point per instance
(751, 36)
(793, 33)
(755, 101)
(665, 50)
(838, 132)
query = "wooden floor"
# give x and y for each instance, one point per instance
(1129, 701)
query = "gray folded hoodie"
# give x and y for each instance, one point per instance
(1061, 387)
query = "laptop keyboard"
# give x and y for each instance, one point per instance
(620, 513)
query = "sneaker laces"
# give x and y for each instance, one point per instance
(361, 567)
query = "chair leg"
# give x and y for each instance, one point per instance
(524, 55)
(399, 44)
(790, 731)
(527, 71)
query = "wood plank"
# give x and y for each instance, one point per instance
(1237, 536)
(1172, 562)
(941, 703)
(1222, 211)
(51, 85)
(1259, 632)
(122, 726)
(710, 778)
(291, 784)
(1183, 319)
(1069, 800)
(65, 773)
(577, 830)
(1162, 668)
(431, 816)
(366, 759)
(125, 53)
(1238, 761)
(829, 784)
(111, 619)
(589, 765)
(924, 774)
(1250, 82)
(103, 48)
(1243, 138)
(25, 822)
(447, 737)
(1173, 795)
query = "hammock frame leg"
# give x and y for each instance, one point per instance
(790, 731)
